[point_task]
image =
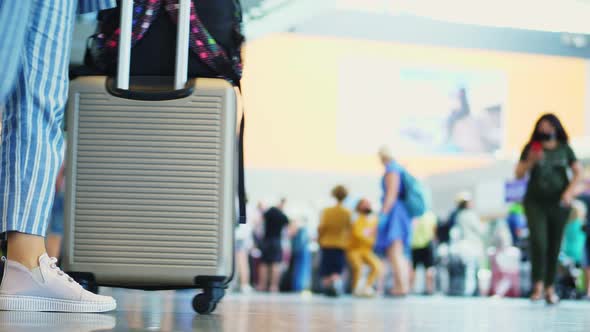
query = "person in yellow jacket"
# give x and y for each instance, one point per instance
(360, 250)
(333, 236)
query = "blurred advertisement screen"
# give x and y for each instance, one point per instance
(420, 109)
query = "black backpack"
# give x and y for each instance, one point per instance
(154, 54)
(443, 229)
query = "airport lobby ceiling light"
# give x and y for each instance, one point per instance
(571, 16)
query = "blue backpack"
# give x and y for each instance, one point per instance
(414, 195)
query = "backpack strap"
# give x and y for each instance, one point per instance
(144, 14)
(241, 173)
(204, 45)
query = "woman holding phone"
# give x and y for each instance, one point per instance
(553, 171)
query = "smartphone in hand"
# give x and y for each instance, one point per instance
(536, 152)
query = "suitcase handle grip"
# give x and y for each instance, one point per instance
(182, 40)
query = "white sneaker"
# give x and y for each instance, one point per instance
(358, 291)
(246, 289)
(369, 292)
(47, 288)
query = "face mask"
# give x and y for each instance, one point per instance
(366, 211)
(544, 137)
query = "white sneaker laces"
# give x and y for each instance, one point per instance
(54, 266)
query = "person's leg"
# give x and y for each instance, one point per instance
(263, 277)
(30, 156)
(53, 244)
(275, 277)
(400, 266)
(555, 228)
(430, 276)
(31, 136)
(56, 227)
(333, 277)
(412, 277)
(429, 266)
(356, 265)
(325, 268)
(25, 248)
(332, 265)
(276, 259)
(381, 280)
(405, 273)
(376, 267)
(329, 267)
(325, 271)
(587, 275)
(243, 269)
(337, 283)
(339, 266)
(537, 223)
(416, 260)
(14, 18)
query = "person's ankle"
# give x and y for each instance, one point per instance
(28, 261)
(25, 249)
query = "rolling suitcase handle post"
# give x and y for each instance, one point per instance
(182, 49)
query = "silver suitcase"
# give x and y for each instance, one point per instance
(151, 180)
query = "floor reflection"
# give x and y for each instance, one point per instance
(51, 321)
(172, 311)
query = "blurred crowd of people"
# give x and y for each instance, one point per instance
(461, 254)
(538, 248)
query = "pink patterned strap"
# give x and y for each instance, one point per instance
(201, 41)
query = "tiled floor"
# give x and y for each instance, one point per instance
(171, 311)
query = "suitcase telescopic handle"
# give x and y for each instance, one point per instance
(182, 49)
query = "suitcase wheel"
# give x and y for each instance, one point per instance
(204, 304)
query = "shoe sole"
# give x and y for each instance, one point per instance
(33, 303)
(58, 321)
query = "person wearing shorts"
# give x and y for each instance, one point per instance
(333, 237)
(271, 249)
(423, 249)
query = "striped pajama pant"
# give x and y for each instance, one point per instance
(34, 55)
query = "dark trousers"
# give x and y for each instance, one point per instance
(546, 223)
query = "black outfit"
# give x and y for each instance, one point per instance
(274, 223)
(546, 217)
(423, 256)
(333, 261)
(443, 230)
